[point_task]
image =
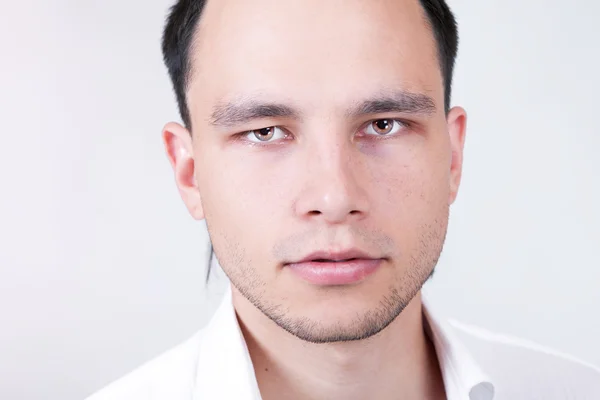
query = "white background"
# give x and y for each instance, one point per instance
(101, 267)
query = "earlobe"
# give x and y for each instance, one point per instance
(457, 126)
(180, 152)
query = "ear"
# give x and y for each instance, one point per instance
(457, 127)
(178, 146)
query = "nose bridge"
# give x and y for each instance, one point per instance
(333, 190)
(329, 155)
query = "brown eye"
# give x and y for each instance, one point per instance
(264, 134)
(270, 134)
(383, 126)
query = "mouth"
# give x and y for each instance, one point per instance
(335, 269)
(340, 256)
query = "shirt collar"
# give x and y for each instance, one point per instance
(463, 377)
(224, 368)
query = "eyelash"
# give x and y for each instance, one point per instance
(402, 123)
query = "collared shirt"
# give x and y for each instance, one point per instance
(475, 365)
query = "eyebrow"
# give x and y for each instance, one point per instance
(240, 112)
(246, 110)
(397, 102)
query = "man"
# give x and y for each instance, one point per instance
(320, 146)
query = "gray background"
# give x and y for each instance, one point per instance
(101, 267)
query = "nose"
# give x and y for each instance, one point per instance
(333, 190)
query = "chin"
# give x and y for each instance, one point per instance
(337, 304)
(329, 324)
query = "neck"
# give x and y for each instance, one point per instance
(398, 362)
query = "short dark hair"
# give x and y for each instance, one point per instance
(183, 20)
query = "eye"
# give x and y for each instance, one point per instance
(264, 134)
(383, 127)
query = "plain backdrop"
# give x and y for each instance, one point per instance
(102, 268)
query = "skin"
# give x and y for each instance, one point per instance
(324, 180)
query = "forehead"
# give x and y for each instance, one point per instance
(317, 53)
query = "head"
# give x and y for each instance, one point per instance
(313, 125)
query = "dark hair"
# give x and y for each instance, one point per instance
(184, 16)
(183, 20)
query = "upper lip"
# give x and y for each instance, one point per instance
(335, 256)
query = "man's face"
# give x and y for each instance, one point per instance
(320, 125)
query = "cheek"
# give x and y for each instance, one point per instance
(413, 175)
(410, 193)
(241, 200)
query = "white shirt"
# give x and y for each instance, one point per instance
(475, 364)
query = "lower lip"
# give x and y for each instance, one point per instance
(335, 273)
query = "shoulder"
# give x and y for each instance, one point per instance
(517, 366)
(168, 376)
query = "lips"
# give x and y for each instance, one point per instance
(329, 256)
(324, 268)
